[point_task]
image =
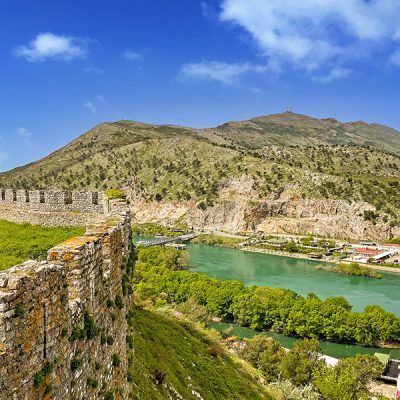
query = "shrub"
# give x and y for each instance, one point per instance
(215, 349)
(115, 194)
(116, 361)
(47, 369)
(109, 340)
(76, 334)
(76, 363)
(20, 311)
(38, 379)
(106, 339)
(92, 383)
(64, 299)
(159, 376)
(130, 341)
(49, 390)
(108, 396)
(119, 302)
(90, 328)
(110, 303)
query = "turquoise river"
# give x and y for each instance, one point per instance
(301, 276)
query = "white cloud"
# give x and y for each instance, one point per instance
(90, 106)
(395, 58)
(24, 134)
(132, 55)
(93, 104)
(208, 11)
(94, 70)
(50, 46)
(315, 35)
(333, 75)
(223, 72)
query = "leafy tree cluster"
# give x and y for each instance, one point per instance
(159, 272)
(303, 367)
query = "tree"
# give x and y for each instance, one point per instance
(302, 359)
(349, 379)
(265, 354)
(270, 360)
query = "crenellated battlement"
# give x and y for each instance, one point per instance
(54, 200)
(63, 321)
(51, 207)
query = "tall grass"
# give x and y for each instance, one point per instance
(23, 242)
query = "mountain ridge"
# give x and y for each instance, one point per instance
(231, 176)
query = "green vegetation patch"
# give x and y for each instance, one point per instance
(351, 269)
(174, 356)
(23, 242)
(115, 194)
(218, 241)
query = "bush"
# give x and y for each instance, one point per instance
(92, 383)
(20, 310)
(115, 194)
(91, 330)
(130, 341)
(108, 396)
(49, 390)
(110, 303)
(215, 349)
(76, 363)
(76, 334)
(47, 369)
(116, 361)
(119, 302)
(159, 376)
(106, 339)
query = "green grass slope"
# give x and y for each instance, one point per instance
(172, 359)
(24, 242)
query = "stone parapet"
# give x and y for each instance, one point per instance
(63, 321)
(51, 207)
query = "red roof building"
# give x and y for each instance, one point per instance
(362, 251)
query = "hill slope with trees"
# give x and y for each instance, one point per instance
(290, 168)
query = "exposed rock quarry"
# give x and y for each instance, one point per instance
(328, 218)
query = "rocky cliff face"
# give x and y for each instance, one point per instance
(327, 218)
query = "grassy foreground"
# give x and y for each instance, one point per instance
(23, 242)
(173, 357)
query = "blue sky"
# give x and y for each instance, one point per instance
(68, 65)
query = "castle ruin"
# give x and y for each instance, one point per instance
(63, 325)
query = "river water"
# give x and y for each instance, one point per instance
(297, 274)
(301, 276)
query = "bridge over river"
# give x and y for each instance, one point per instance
(161, 241)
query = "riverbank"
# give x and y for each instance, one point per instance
(281, 253)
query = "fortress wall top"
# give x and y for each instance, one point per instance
(52, 200)
(51, 207)
(63, 321)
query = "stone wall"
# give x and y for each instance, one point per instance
(63, 321)
(51, 207)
